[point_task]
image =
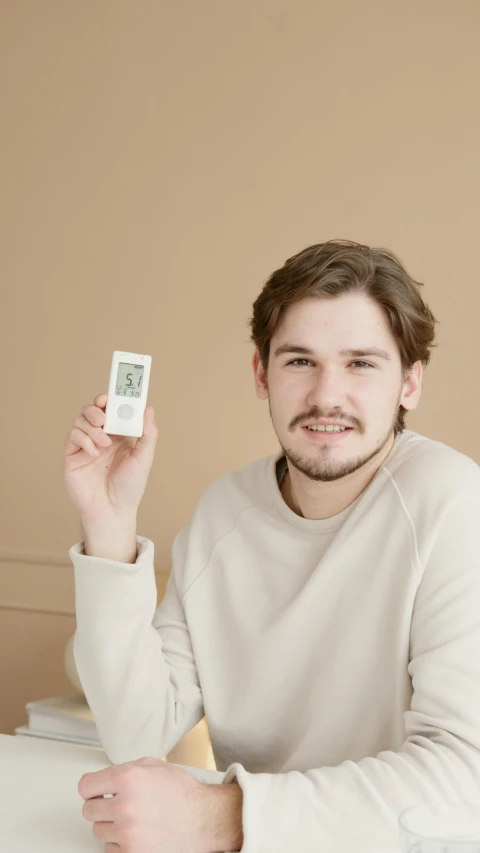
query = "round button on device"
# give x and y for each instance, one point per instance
(125, 412)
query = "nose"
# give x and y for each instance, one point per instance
(326, 391)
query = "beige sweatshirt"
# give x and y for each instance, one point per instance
(337, 661)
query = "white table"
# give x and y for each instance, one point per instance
(40, 807)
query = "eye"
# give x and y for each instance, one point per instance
(300, 362)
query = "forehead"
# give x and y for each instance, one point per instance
(340, 321)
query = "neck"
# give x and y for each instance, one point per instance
(317, 500)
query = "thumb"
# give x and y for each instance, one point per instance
(145, 447)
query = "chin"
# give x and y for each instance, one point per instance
(326, 464)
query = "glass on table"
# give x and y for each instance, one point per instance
(440, 828)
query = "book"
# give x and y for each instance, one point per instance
(25, 731)
(70, 719)
(67, 715)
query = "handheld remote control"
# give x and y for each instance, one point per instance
(127, 393)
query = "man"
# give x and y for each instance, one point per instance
(323, 609)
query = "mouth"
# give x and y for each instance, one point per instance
(329, 435)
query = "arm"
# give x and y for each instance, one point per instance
(355, 806)
(221, 825)
(135, 661)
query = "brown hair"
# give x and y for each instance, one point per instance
(341, 266)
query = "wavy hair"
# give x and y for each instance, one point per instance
(337, 267)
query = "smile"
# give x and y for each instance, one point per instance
(329, 433)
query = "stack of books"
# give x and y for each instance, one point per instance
(69, 718)
(65, 718)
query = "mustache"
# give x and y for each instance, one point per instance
(317, 414)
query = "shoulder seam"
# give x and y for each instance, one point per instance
(408, 517)
(227, 533)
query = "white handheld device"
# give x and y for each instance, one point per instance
(127, 393)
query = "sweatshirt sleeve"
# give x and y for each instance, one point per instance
(134, 660)
(355, 805)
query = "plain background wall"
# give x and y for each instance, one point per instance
(158, 161)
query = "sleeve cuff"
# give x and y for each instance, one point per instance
(311, 811)
(255, 790)
(144, 548)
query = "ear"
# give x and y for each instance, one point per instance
(260, 376)
(412, 387)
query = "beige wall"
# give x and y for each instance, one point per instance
(158, 161)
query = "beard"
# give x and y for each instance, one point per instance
(326, 469)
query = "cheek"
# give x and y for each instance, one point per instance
(293, 391)
(285, 406)
(287, 391)
(381, 402)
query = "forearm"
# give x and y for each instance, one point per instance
(221, 819)
(130, 661)
(115, 645)
(354, 806)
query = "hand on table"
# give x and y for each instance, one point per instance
(160, 807)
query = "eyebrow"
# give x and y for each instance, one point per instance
(361, 352)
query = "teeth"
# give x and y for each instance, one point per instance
(328, 428)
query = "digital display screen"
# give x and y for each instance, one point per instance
(129, 380)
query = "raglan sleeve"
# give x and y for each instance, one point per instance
(135, 659)
(355, 806)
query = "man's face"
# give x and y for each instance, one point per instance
(334, 359)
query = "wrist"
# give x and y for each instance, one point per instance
(220, 821)
(111, 538)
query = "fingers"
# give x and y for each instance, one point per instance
(84, 435)
(99, 808)
(94, 414)
(106, 781)
(145, 447)
(96, 433)
(87, 432)
(101, 400)
(78, 440)
(106, 831)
